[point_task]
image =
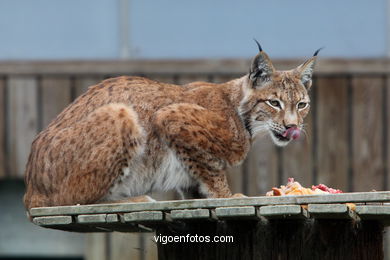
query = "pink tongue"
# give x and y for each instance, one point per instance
(292, 132)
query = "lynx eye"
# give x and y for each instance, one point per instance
(274, 103)
(302, 105)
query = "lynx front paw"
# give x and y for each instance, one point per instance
(144, 198)
(238, 195)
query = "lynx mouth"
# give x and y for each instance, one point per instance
(280, 137)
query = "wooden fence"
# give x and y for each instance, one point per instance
(347, 130)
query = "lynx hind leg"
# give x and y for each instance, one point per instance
(114, 139)
(83, 161)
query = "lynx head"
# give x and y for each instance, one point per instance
(276, 101)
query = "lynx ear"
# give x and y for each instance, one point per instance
(305, 70)
(261, 68)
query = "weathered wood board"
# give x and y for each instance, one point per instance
(367, 133)
(55, 96)
(22, 125)
(332, 132)
(2, 128)
(140, 211)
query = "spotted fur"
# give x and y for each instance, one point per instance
(128, 136)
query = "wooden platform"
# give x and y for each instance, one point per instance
(135, 217)
(289, 227)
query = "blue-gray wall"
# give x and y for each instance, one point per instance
(91, 29)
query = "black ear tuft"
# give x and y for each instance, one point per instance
(258, 45)
(317, 51)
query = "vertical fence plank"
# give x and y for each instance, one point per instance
(332, 127)
(386, 107)
(235, 179)
(2, 128)
(125, 246)
(55, 96)
(95, 247)
(82, 83)
(22, 121)
(150, 246)
(367, 133)
(386, 128)
(297, 157)
(260, 169)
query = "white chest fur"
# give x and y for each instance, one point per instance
(171, 174)
(137, 179)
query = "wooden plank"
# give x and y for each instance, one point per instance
(107, 222)
(373, 211)
(386, 107)
(235, 179)
(66, 223)
(212, 203)
(283, 211)
(96, 247)
(2, 128)
(260, 168)
(143, 216)
(55, 96)
(125, 246)
(118, 67)
(112, 218)
(91, 219)
(331, 211)
(236, 212)
(204, 66)
(22, 125)
(191, 214)
(149, 246)
(53, 220)
(386, 242)
(386, 157)
(367, 133)
(332, 127)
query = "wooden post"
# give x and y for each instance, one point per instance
(276, 239)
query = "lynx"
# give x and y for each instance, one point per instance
(129, 136)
